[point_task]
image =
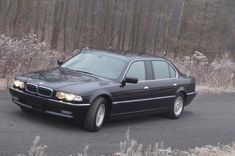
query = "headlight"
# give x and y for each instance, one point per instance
(68, 97)
(19, 84)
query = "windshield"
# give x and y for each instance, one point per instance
(98, 64)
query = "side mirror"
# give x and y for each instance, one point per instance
(129, 80)
(60, 62)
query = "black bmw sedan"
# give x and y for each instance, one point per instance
(98, 85)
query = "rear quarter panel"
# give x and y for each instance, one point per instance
(187, 85)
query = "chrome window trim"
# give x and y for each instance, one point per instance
(146, 99)
(44, 88)
(26, 88)
(150, 59)
(145, 71)
(127, 69)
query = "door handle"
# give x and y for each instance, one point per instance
(146, 88)
(175, 84)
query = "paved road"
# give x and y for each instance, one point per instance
(208, 120)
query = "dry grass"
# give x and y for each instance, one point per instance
(3, 84)
(130, 147)
(37, 149)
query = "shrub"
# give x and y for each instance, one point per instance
(218, 74)
(24, 55)
(130, 147)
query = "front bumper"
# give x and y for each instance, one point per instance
(47, 105)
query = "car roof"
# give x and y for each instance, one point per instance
(129, 56)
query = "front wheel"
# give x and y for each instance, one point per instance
(177, 107)
(95, 115)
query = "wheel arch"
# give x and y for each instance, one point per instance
(182, 91)
(108, 97)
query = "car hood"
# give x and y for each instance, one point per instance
(62, 78)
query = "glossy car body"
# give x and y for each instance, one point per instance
(148, 95)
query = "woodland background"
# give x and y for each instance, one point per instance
(142, 26)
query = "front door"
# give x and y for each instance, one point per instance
(131, 97)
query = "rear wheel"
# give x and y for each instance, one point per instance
(95, 115)
(177, 107)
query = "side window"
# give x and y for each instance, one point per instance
(161, 70)
(137, 70)
(172, 72)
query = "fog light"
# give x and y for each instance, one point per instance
(15, 98)
(66, 112)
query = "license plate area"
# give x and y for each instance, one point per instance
(35, 104)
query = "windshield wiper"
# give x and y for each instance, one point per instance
(81, 71)
(64, 68)
(85, 72)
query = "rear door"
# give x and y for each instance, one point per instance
(163, 84)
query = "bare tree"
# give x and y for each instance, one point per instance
(154, 26)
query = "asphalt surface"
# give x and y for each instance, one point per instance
(210, 119)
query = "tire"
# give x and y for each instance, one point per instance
(177, 107)
(96, 114)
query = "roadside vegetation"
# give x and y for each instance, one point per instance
(23, 55)
(26, 54)
(130, 147)
(216, 75)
